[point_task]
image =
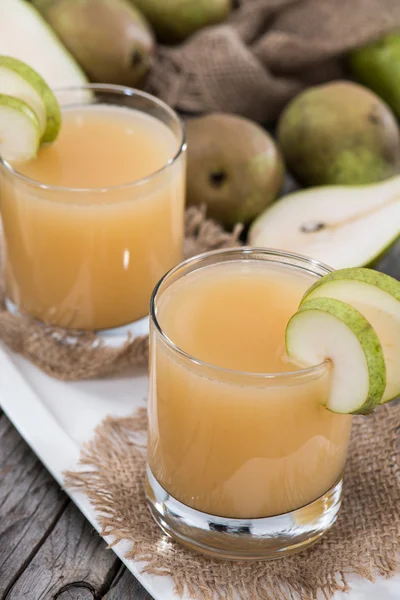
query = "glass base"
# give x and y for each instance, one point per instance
(243, 539)
(112, 337)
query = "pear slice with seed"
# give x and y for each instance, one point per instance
(342, 226)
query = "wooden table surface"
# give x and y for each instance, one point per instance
(48, 551)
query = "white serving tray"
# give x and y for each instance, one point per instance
(55, 418)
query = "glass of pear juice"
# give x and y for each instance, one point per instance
(244, 460)
(93, 222)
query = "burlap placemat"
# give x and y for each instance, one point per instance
(50, 350)
(266, 53)
(364, 541)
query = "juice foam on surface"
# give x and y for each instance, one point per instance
(100, 146)
(234, 315)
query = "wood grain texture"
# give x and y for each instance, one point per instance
(30, 504)
(126, 587)
(72, 564)
(76, 591)
(47, 549)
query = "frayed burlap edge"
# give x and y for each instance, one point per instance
(51, 350)
(365, 541)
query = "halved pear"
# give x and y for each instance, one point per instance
(26, 35)
(21, 81)
(377, 297)
(325, 329)
(343, 226)
(19, 129)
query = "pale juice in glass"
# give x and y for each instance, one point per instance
(225, 438)
(85, 250)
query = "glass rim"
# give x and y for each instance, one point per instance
(305, 373)
(126, 91)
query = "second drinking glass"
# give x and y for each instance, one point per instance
(93, 222)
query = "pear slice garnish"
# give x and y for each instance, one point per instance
(377, 297)
(19, 129)
(19, 80)
(326, 329)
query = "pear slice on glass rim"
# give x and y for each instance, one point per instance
(19, 80)
(19, 129)
(377, 297)
(326, 329)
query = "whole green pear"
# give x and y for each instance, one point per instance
(377, 66)
(339, 133)
(175, 20)
(110, 39)
(234, 167)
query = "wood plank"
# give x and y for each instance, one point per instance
(77, 591)
(72, 564)
(126, 587)
(30, 504)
